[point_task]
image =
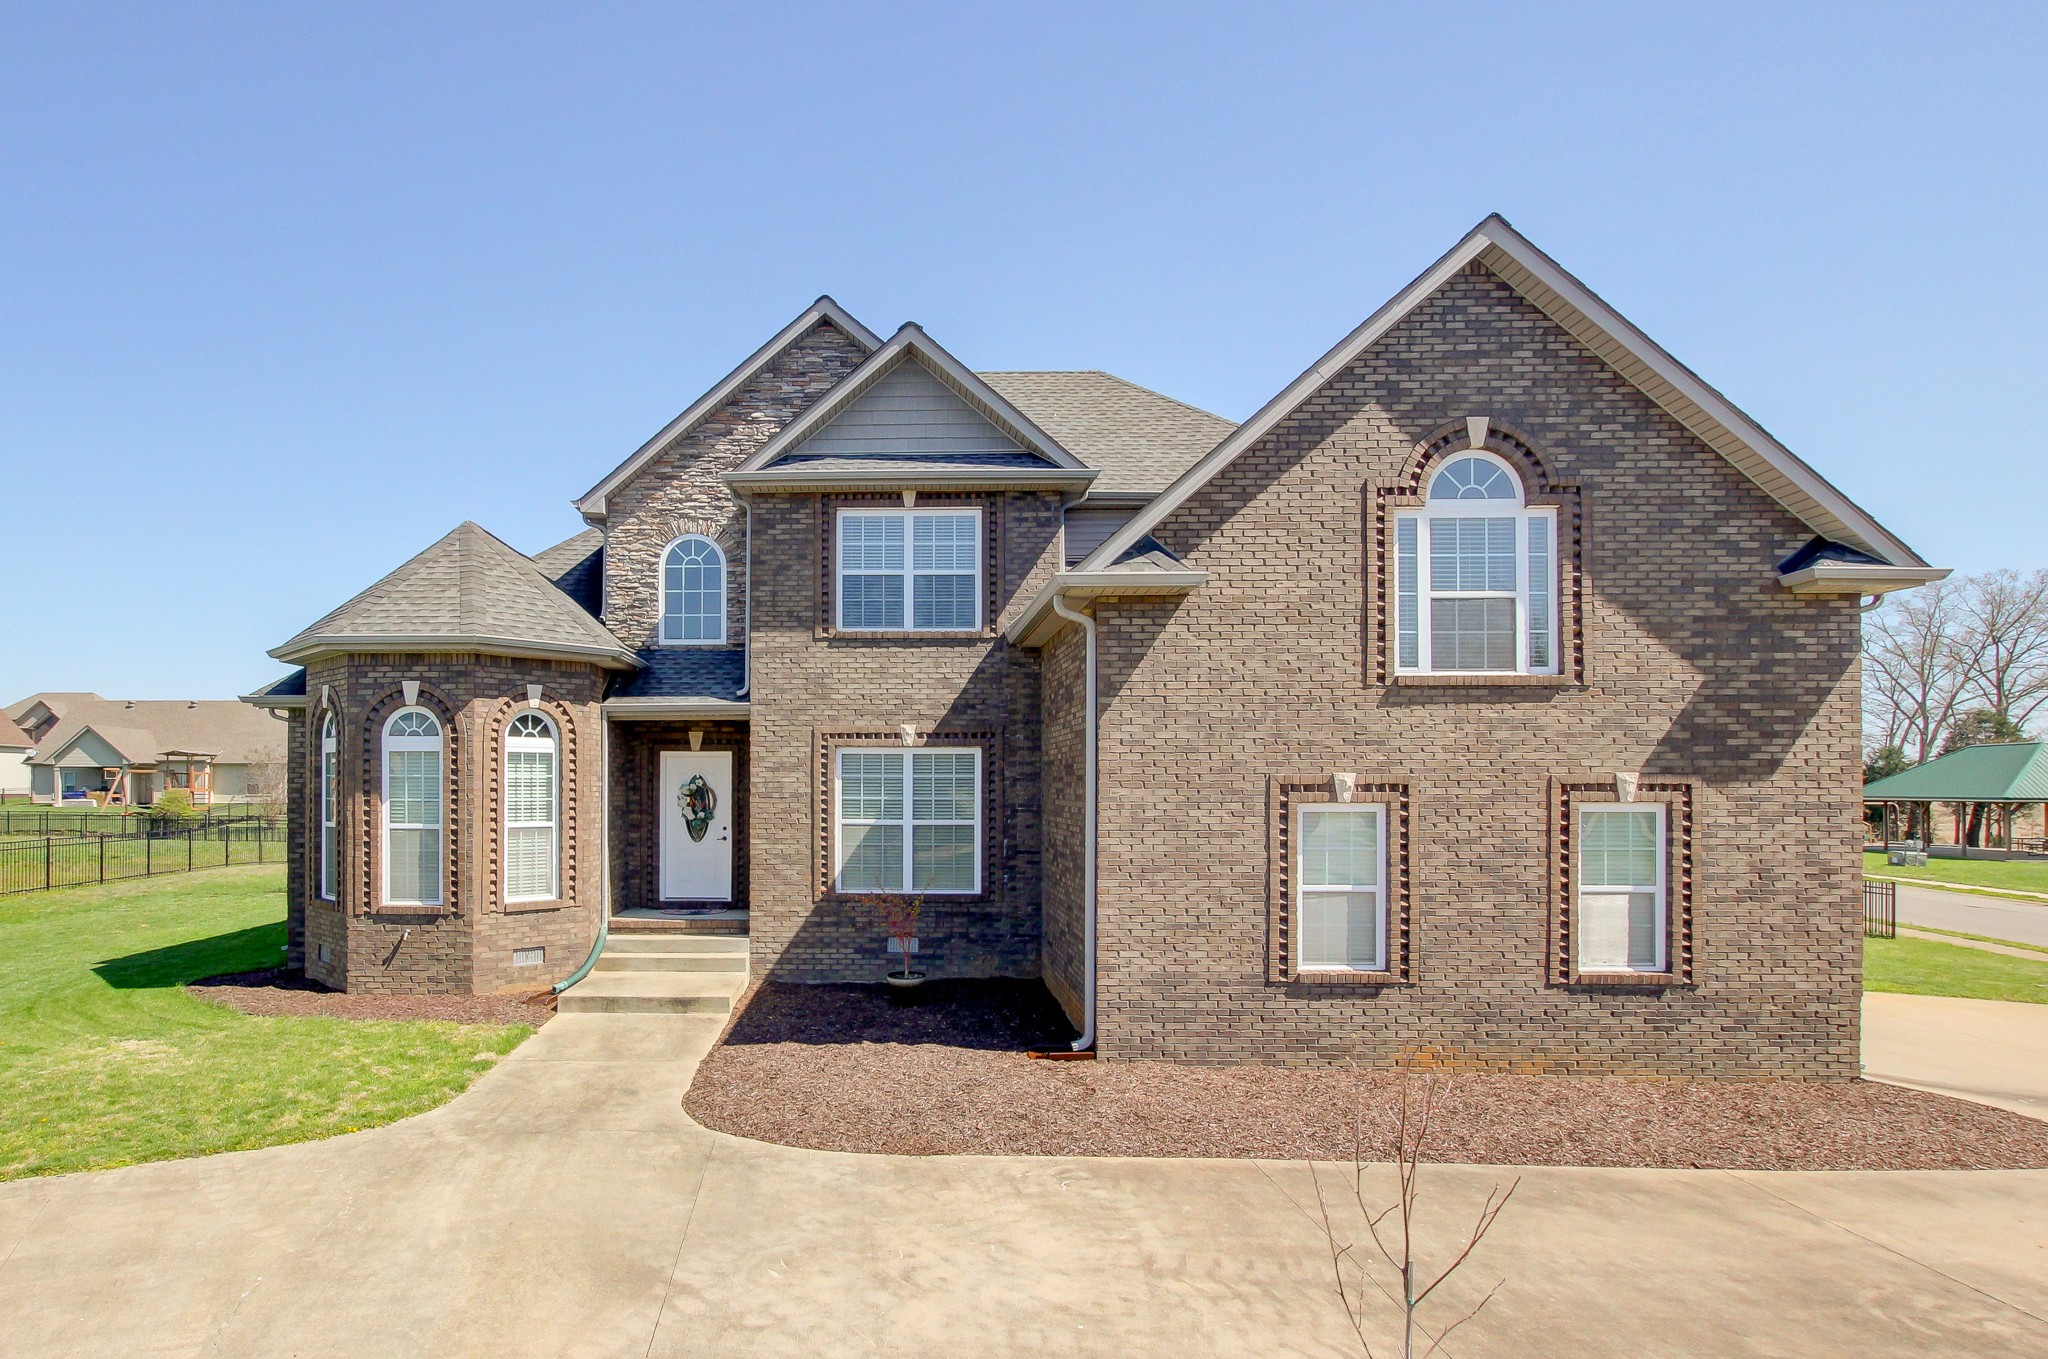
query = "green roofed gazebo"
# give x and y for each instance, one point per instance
(2008, 773)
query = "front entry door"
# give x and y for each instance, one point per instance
(696, 825)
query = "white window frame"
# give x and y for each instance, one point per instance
(908, 571)
(1661, 886)
(551, 744)
(390, 745)
(909, 823)
(724, 593)
(330, 748)
(1302, 813)
(1425, 520)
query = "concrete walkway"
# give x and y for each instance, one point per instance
(1990, 1051)
(2021, 921)
(565, 1206)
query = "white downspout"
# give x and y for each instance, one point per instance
(747, 610)
(1087, 1039)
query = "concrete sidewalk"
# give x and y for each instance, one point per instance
(565, 1206)
(1990, 1051)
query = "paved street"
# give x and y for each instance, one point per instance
(565, 1206)
(2000, 918)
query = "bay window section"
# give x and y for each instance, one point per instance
(1340, 899)
(329, 750)
(532, 809)
(909, 570)
(908, 820)
(412, 809)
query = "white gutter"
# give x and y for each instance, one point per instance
(747, 613)
(1087, 1039)
(1858, 578)
(604, 876)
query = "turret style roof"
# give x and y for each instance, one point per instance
(2014, 771)
(1138, 439)
(468, 592)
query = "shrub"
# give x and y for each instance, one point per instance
(174, 810)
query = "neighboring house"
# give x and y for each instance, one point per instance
(127, 752)
(1489, 697)
(15, 748)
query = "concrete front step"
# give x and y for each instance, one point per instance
(623, 941)
(646, 993)
(637, 960)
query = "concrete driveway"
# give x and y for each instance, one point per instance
(1990, 1051)
(565, 1206)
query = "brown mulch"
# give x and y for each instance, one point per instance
(275, 992)
(840, 1068)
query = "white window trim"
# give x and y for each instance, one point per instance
(662, 637)
(908, 824)
(552, 745)
(390, 744)
(1661, 886)
(1302, 813)
(909, 518)
(330, 875)
(1424, 519)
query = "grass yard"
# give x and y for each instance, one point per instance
(106, 1061)
(1922, 967)
(2020, 875)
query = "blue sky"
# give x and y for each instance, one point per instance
(286, 292)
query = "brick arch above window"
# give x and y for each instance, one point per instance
(367, 896)
(490, 869)
(1409, 491)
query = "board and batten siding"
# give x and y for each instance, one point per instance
(908, 410)
(1088, 529)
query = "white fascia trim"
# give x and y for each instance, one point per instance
(1632, 354)
(612, 657)
(591, 504)
(1040, 620)
(657, 709)
(826, 479)
(1858, 578)
(910, 342)
(290, 701)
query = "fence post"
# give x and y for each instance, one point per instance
(103, 858)
(148, 854)
(47, 845)
(188, 851)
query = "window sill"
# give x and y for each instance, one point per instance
(1488, 681)
(394, 911)
(898, 635)
(692, 646)
(1625, 980)
(533, 904)
(1347, 977)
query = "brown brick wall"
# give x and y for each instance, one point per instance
(1697, 666)
(296, 797)
(808, 684)
(636, 808)
(465, 944)
(679, 491)
(1064, 913)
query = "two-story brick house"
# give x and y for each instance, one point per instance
(1492, 692)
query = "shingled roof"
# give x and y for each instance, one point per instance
(143, 729)
(2011, 771)
(1138, 439)
(468, 592)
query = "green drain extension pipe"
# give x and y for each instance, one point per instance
(604, 895)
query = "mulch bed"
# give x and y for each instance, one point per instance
(840, 1068)
(275, 992)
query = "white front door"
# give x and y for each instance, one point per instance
(696, 825)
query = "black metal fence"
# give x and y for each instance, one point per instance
(37, 864)
(45, 820)
(1880, 910)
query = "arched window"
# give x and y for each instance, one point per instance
(693, 592)
(532, 809)
(412, 809)
(1475, 575)
(328, 750)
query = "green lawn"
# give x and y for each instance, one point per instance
(1922, 967)
(106, 1061)
(2022, 875)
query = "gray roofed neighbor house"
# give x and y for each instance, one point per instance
(54, 701)
(144, 729)
(1138, 439)
(13, 737)
(470, 592)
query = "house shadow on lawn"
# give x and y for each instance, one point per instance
(258, 946)
(997, 1015)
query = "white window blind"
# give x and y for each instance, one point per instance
(1621, 909)
(1340, 892)
(328, 754)
(412, 809)
(1475, 576)
(909, 570)
(909, 820)
(532, 820)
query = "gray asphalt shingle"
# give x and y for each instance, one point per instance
(1138, 439)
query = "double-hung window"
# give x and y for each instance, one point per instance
(329, 749)
(908, 820)
(412, 809)
(1340, 896)
(1475, 576)
(909, 570)
(532, 809)
(1621, 890)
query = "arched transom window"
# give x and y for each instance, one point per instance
(532, 809)
(412, 808)
(693, 592)
(329, 748)
(1475, 575)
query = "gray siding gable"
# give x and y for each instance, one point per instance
(908, 410)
